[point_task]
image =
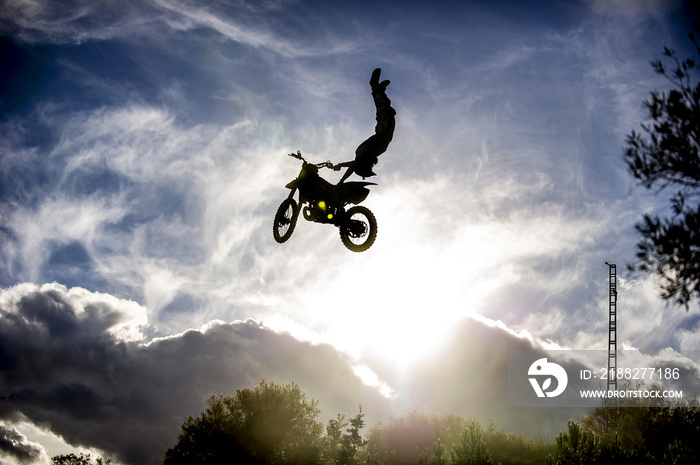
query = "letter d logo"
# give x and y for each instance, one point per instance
(543, 368)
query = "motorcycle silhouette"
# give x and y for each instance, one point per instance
(324, 202)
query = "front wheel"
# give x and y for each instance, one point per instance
(359, 231)
(285, 220)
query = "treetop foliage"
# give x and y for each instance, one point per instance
(666, 154)
(80, 459)
(272, 424)
(276, 424)
(626, 434)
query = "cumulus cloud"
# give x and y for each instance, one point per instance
(16, 449)
(68, 366)
(467, 374)
(78, 364)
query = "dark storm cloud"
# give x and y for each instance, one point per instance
(74, 362)
(62, 366)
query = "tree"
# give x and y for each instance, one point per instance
(667, 155)
(343, 447)
(630, 431)
(82, 459)
(413, 439)
(471, 448)
(271, 424)
(504, 447)
(573, 447)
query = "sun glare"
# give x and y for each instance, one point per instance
(400, 311)
(400, 300)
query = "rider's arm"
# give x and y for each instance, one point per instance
(343, 165)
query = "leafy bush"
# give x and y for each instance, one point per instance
(270, 424)
(275, 424)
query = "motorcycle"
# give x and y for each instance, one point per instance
(324, 202)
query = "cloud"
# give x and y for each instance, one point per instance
(147, 208)
(486, 195)
(16, 449)
(133, 200)
(467, 374)
(253, 34)
(69, 365)
(148, 162)
(79, 364)
(78, 21)
(637, 11)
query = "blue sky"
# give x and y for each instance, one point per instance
(143, 158)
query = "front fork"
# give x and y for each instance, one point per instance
(292, 191)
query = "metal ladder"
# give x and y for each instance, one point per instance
(612, 330)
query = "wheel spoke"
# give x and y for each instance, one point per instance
(360, 230)
(285, 220)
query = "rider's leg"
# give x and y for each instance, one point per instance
(368, 151)
(348, 172)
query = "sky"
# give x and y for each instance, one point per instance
(143, 156)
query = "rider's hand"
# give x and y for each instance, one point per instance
(336, 167)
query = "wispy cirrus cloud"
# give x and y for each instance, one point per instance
(142, 197)
(251, 33)
(78, 21)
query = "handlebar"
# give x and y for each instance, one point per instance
(325, 164)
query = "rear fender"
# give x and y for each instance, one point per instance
(353, 192)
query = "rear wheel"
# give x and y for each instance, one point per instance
(359, 231)
(285, 220)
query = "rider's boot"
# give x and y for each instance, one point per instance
(381, 101)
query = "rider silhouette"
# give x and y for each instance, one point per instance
(367, 153)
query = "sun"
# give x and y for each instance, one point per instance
(397, 311)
